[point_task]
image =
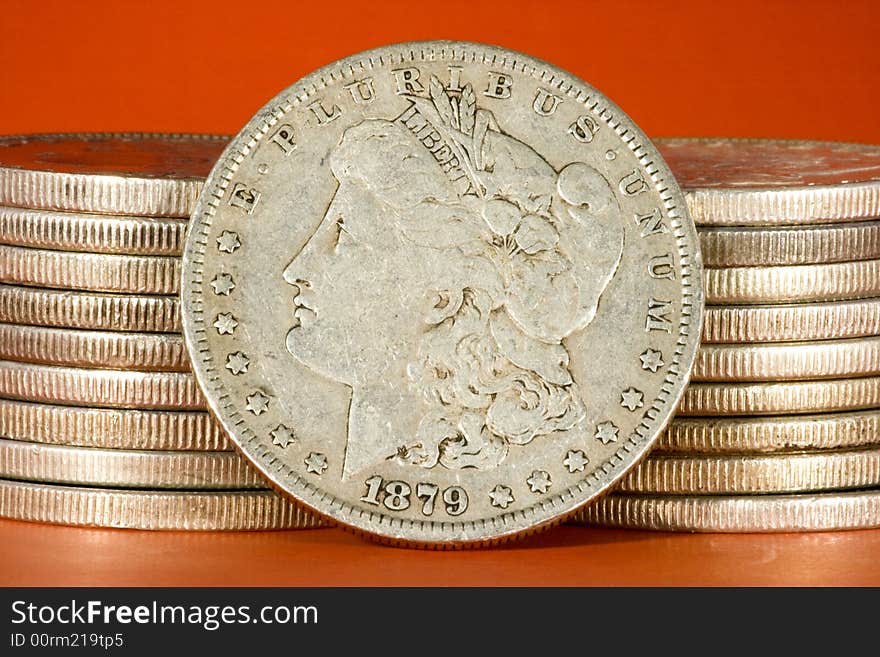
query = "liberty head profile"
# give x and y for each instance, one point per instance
(449, 268)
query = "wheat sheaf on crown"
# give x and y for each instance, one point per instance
(465, 124)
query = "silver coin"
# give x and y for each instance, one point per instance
(105, 349)
(762, 182)
(88, 310)
(96, 233)
(737, 513)
(98, 272)
(122, 468)
(451, 263)
(92, 387)
(151, 509)
(123, 173)
(111, 428)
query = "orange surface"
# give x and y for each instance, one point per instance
(798, 69)
(35, 554)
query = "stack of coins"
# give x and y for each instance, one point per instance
(101, 422)
(778, 430)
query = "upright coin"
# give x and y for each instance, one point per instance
(143, 174)
(761, 182)
(443, 293)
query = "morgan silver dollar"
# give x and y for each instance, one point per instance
(442, 293)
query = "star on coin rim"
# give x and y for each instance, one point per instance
(487, 530)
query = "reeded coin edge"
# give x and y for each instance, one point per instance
(787, 361)
(119, 468)
(753, 474)
(105, 388)
(780, 433)
(789, 245)
(111, 428)
(101, 193)
(741, 513)
(765, 285)
(89, 310)
(97, 272)
(152, 510)
(161, 352)
(787, 397)
(791, 322)
(112, 234)
(435, 534)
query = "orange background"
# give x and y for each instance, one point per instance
(798, 69)
(761, 68)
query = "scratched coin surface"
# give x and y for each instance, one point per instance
(765, 182)
(443, 293)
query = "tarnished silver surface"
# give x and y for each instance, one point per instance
(771, 434)
(95, 233)
(92, 387)
(123, 173)
(793, 283)
(112, 428)
(754, 182)
(791, 322)
(88, 310)
(121, 468)
(828, 359)
(138, 509)
(467, 292)
(787, 397)
(789, 245)
(737, 513)
(98, 272)
(77, 348)
(732, 474)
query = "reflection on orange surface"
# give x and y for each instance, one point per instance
(46, 555)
